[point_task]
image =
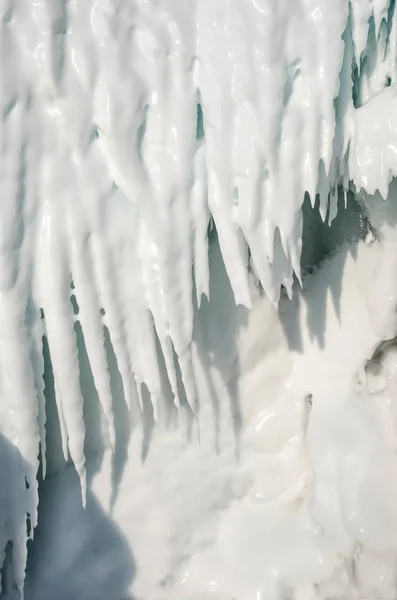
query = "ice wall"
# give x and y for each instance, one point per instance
(130, 128)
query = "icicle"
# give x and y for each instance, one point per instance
(89, 316)
(167, 349)
(104, 279)
(393, 48)
(62, 423)
(380, 8)
(38, 369)
(201, 217)
(155, 405)
(53, 289)
(139, 392)
(361, 11)
(333, 205)
(185, 362)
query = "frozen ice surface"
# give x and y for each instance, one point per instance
(198, 299)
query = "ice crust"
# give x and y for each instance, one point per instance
(155, 158)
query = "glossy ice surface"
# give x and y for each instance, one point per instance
(155, 156)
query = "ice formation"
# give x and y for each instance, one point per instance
(144, 145)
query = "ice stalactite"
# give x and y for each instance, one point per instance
(126, 126)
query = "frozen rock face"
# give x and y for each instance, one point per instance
(167, 169)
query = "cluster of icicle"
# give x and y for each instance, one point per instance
(126, 127)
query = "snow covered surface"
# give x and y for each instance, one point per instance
(161, 166)
(307, 509)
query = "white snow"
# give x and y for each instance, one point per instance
(237, 440)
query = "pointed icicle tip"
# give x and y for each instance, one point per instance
(155, 404)
(43, 462)
(83, 486)
(177, 404)
(111, 432)
(139, 393)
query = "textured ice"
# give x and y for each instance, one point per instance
(158, 163)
